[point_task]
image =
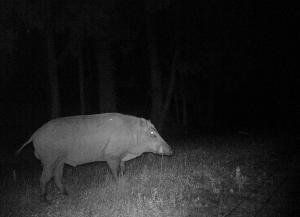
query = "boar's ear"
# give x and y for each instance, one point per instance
(143, 122)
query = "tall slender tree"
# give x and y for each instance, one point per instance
(157, 95)
(8, 35)
(42, 16)
(105, 67)
(155, 73)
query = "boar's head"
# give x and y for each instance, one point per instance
(151, 140)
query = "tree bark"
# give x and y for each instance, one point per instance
(105, 67)
(155, 73)
(81, 81)
(170, 89)
(53, 77)
(176, 107)
(52, 63)
(211, 102)
(184, 111)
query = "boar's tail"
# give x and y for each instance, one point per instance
(20, 149)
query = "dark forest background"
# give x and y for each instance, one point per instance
(186, 65)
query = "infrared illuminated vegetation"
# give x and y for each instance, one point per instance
(211, 176)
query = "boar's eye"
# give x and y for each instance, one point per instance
(152, 133)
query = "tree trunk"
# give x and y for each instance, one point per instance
(81, 82)
(105, 67)
(184, 111)
(88, 70)
(52, 63)
(176, 107)
(155, 73)
(211, 102)
(170, 89)
(53, 77)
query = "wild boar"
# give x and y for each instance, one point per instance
(75, 140)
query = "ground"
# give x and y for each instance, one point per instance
(208, 175)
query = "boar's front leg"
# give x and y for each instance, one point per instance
(114, 165)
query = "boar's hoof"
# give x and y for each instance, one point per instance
(45, 200)
(65, 192)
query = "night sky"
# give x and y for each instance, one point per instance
(236, 63)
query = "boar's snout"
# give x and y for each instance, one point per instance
(169, 152)
(165, 149)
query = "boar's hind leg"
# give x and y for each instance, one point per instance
(58, 173)
(45, 178)
(114, 166)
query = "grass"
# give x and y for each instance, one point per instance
(211, 176)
